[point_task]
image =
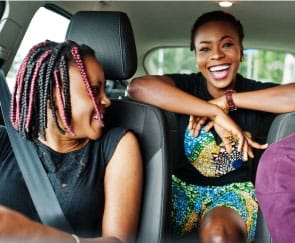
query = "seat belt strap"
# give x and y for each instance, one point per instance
(34, 174)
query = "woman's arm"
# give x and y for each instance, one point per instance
(279, 99)
(123, 185)
(162, 92)
(15, 227)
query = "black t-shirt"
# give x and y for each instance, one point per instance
(77, 178)
(256, 122)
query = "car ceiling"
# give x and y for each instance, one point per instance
(267, 24)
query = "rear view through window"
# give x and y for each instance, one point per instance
(258, 64)
(45, 24)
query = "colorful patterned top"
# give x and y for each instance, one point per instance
(209, 158)
(214, 169)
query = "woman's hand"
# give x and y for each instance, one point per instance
(221, 103)
(253, 144)
(196, 123)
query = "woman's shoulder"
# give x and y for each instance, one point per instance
(111, 137)
(187, 82)
(246, 84)
(108, 142)
(114, 132)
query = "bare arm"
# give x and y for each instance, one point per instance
(123, 183)
(279, 99)
(15, 227)
(162, 92)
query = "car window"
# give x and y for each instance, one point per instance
(258, 64)
(46, 24)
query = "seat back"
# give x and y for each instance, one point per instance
(110, 35)
(282, 126)
(150, 126)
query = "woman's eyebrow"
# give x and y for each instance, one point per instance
(221, 39)
(205, 42)
(225, 37)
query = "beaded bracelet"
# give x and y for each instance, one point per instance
(76, 238)
(229, 100)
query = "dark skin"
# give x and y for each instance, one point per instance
(122, 203)
(218, 54)
(222, 224)
(217, 45)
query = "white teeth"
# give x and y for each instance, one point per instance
(218, 68)
(95, 117)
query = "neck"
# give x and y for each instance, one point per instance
(62, 143)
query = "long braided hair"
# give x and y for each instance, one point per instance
(44, 68)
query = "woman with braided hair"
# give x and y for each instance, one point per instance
(58, 103)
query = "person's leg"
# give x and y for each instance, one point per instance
(186, 206)
(192, 203)
(231, 215)
(223, 224)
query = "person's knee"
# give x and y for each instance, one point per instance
(220, 226)
(220, 232)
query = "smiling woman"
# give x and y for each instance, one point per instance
(212, 192)
(58, 103)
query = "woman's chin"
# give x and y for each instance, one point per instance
(96, 134)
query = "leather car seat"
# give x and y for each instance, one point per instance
(110, 35)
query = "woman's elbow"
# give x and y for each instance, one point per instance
(134, 89)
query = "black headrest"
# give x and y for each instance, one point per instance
(110, 35)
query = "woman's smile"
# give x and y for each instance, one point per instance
(220, 71)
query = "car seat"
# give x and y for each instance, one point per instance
(110, 35)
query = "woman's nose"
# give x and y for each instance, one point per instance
(105, 101)
(217, 54)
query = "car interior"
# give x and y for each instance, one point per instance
(124, 35)
(117, 52)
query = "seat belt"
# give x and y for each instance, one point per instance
(34, 174)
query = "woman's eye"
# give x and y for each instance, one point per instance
(95, 90)
(204, 49)
(229, 44)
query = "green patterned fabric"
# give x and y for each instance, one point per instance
(191, 202)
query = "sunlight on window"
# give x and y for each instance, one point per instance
(45, 25)
(257, 64)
